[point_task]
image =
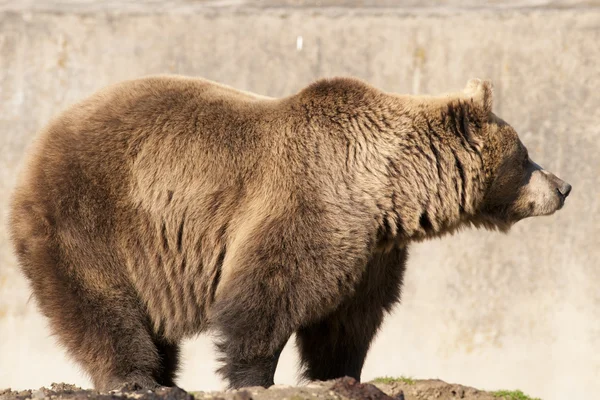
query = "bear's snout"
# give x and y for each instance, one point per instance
(564, 189)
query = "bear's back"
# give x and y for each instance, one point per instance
(151, 174)
(158, 125)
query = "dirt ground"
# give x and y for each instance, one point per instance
(341, 389)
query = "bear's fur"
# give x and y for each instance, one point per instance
(166, 206)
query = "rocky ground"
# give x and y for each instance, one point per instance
(341, 389)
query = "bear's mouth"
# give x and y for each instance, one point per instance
(561, 199)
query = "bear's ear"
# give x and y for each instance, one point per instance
(482, 93)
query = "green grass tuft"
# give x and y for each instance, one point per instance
(388, 380)
(513, 395)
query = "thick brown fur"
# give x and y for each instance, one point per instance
(162, 207)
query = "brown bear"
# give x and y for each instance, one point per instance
(167, 206)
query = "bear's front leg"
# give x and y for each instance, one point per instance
(254, 323)
(337, 345)
(288, 276)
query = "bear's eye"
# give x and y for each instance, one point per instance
(526, 160)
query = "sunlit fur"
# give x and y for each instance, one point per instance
(162, 207)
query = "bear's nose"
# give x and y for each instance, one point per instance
(565, 189)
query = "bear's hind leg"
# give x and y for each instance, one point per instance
(109, 336)
(168, 353)
(93, 311)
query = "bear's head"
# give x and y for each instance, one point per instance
(516, 187)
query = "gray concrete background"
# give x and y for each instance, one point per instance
(479, 308)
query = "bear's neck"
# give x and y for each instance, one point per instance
(435, 173)
(414, 155)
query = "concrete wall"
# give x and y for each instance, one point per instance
(483, 309)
